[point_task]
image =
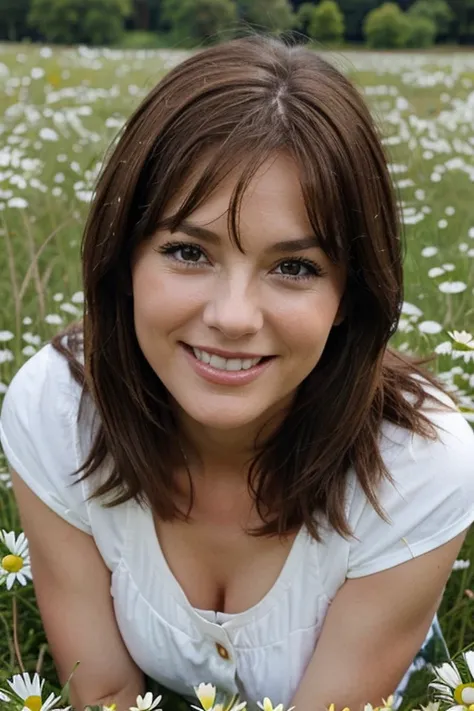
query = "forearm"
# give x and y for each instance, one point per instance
(122, 698)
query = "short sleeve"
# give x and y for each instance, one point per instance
(430, 501)
(37, 433)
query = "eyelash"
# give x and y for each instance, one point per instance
(171, 248)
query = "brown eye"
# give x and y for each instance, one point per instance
(298, 269)
(291, 268)
(183, 252)
(190, 254)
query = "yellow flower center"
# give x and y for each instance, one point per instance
(464, 695)
(13, 564)
(32, 702)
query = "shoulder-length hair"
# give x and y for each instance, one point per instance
(240, 103)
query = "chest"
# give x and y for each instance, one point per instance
(218, 564)
(269, 591)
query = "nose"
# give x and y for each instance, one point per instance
(233, 308)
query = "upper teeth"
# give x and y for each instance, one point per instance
(225, 363)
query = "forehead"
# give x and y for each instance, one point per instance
(273, 194)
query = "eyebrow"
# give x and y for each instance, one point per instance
(290, 245)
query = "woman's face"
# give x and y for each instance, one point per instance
(205, 314)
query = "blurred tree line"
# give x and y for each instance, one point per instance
(182, 23)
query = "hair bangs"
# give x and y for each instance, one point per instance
(236, 154)
(322, 197)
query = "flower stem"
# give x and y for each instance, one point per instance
(15, 634)
(39, 663)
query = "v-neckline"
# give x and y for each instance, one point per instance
(238, 619)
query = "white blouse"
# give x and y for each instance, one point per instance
(265, 649)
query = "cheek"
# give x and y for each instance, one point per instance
(306, 322)
(161, 299)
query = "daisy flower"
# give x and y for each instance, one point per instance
(268, 706)
(451, 689)
(15, 566)
(147, 703)
(430, 706)
(29, 691)
(462, 338)
(206, 694)
(387, 705)
(461, 564)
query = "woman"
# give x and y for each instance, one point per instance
(270, 499)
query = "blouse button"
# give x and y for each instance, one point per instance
(222, 651)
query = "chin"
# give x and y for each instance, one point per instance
(222, 418)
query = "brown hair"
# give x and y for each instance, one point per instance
(241, 102)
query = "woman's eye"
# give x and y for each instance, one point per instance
(189, 253)
(292, 268)
(299, 269)
(185, 253)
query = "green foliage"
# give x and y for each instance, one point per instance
(421, 33)
(194, 21)
(304, 16)
(99, 22)
(463, 25)
(354, 12)
(146, 15)
(13, 19)
(387, 27)
(272, 15)
(142, 39)
(438, 11)
(96, 22)
(327, 22)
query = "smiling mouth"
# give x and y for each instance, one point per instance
(225, 364)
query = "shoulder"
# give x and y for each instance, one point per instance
(413, 459)
(429, 498)
(38, 432)
(45, 373)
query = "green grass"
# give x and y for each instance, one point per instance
(85, 95)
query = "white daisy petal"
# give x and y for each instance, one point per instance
(206, 694)
(20, 541)
(9, 539)
(449, 675)
(440, 687)
(469, 657)
(430, 327)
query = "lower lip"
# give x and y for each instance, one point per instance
(225, 377)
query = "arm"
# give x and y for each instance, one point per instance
(72, 586)
(373, 630)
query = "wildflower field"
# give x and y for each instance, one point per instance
(59, 111)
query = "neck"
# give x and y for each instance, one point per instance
(219, 453)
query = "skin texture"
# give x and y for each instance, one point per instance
(239, 303)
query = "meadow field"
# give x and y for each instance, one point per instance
(59, 111)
